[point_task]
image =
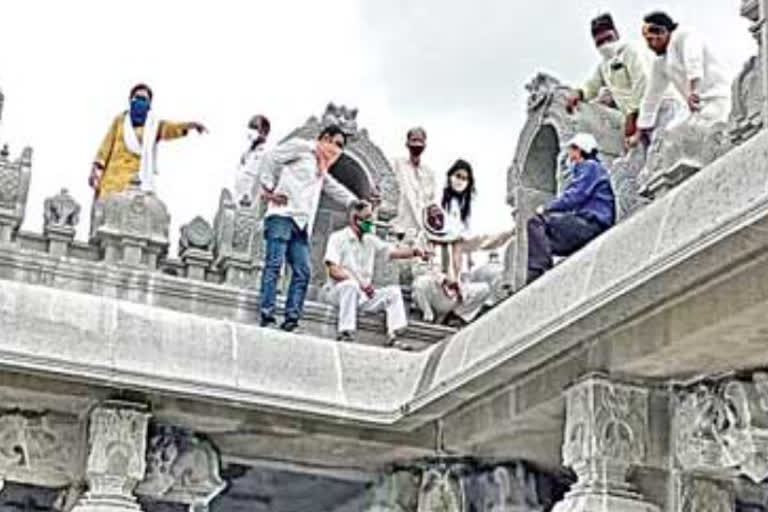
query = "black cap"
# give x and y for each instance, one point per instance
(602, 23)
(661, 19)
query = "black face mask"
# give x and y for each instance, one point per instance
(416, 150)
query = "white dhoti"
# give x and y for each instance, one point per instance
(350, 300)
(430, 298)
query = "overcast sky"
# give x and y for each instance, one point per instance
(456, 67)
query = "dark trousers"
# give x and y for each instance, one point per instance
(556, 234)
(285, 242)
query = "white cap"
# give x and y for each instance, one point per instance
(584, 141)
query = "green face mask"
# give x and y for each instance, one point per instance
(365, 225)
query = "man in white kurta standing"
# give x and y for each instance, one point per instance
(417, 186)
(303, 168)
(247, 184)
(685, 62)
(350, 258)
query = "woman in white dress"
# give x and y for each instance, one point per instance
(458, 195)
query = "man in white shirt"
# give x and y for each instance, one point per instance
(685, 62)
(303, 169)
(247, 180)
(417, 186)
(350, 257)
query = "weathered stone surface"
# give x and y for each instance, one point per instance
(237, 232)
(39, 448)
(181, 468)
(722, 426)
(116, 458)
(61, 211)
(14, 187)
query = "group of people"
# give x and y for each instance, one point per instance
(431, 227)
(683, 68)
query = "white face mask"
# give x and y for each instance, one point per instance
(252, 134)
(609, 50)
(459, 186)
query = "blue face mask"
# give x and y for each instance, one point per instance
(139, 110)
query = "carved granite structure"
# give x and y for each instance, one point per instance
(631, 377)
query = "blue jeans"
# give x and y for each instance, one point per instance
(285, 242)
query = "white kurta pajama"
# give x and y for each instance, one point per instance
(687, 59)
(417, 191)
(357, 256)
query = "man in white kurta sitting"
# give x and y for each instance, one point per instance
(350, 257)
(684, 61)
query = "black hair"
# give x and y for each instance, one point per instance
(602, 23)
(417, 130)
(590, 156)
(141, 87)
(332, 130)
(661, 19)
(465, 198)
(262, 120)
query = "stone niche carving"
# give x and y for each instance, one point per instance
(237, 240)
(363, 169)
(39, 448)
(466, 485)
(14, 186)
(181, 468)
(723, 425)
(442, 490)
(748, 92)
(606, 433)
(132, 227)
(538, 169)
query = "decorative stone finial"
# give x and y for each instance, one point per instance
(61, 211)
(132, 228)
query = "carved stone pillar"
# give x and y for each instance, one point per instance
(196, 248)
(237, 230)
(117, 442)
(61, 213)
(14, 186)
(606, 434)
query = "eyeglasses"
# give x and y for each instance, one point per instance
(656, 30)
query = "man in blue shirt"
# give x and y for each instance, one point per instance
(584, 210)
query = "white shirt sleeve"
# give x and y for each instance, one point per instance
(654, 94)
(693, 57)
(337, 191)
(270, 162)
(333, 249)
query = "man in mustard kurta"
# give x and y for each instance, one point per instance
(129, 148)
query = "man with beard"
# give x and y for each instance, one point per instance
(684, 61)
(130, 146)
(292, 177)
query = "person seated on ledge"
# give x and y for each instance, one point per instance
(583, 211)
(350, 257)
(440, 291)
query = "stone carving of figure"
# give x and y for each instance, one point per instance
(61, 210)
